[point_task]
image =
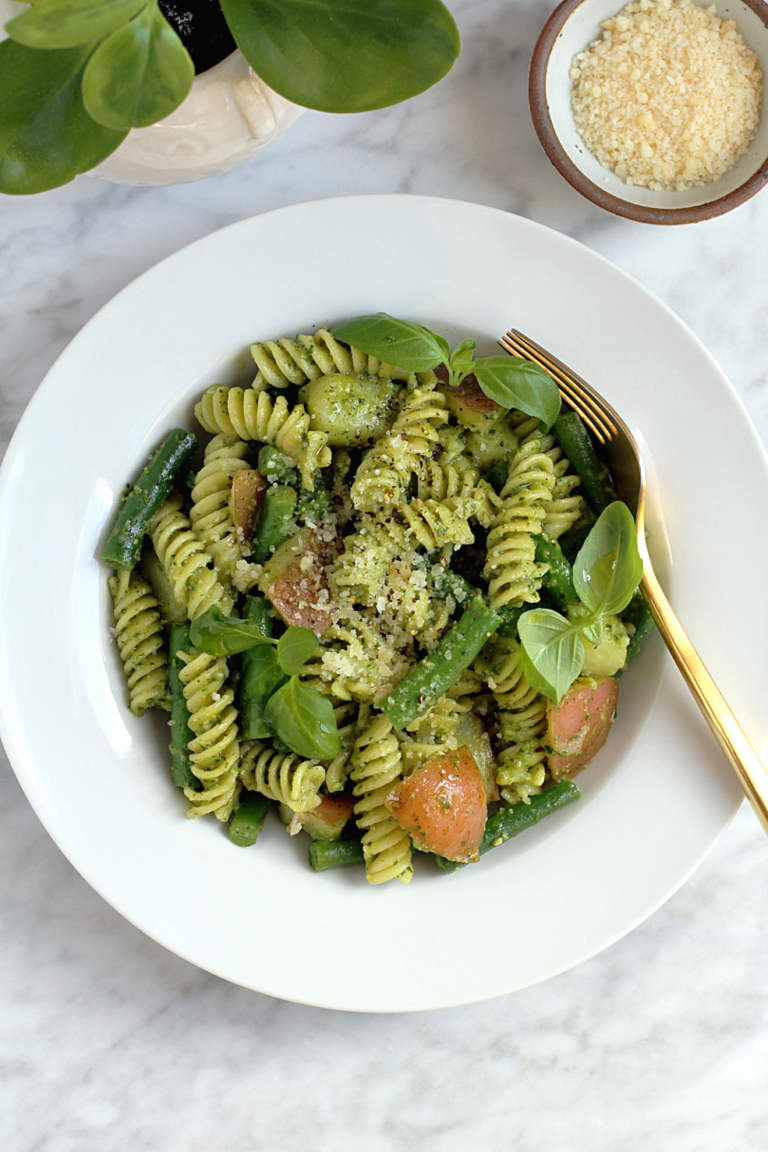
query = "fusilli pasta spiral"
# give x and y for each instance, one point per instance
(563, 509)
(337, 770)
(513, 575)
(211, 513)
(186, 562)
(522, 720)
(252, 415)
(214, 751)
(456, 475)
(282, 776)
(376, 766)
(284, 362)
(139, 633)
(386, 468)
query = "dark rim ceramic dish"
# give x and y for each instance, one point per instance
(557, 155)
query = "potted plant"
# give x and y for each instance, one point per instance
(76, 76)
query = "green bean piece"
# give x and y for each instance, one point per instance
(278, 468)
(571, 542)
(324, 854)
(148, 493)
(559, 579)
(578, 447)
(509, 822)
(638, 613)
(181, 734)
(260, 673)
(441, 668)
(447, 583)
(275, 521)
(248, 819)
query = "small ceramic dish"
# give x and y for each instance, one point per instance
(570, 28)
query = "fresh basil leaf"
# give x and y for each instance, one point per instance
(260, 676)
(608, 568)
(221, 635)
(593, 631)
(303, 719)
(67, 23)
(461, 360)
(294, 648)
(552, 651)
(139, 74)
(515, 383)
(442, 344)
(398, 342)
(344, 55)
(46, 135)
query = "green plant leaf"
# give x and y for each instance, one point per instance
(139, 74)
(67, 23)
(345, 55)
(303, 719)
(515, 383)
(294, 648)
(221, 635)
(398, 342)
(552, 651)
(46, 135)
(608, 568)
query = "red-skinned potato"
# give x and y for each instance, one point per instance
(472, 396)
(327, 821)
(296, 581)
(248, 489)
(469, 403)
(578, 726)
(442, 806)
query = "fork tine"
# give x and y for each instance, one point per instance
(575, 391)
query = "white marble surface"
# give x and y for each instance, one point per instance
(108, 1042)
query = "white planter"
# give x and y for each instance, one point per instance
(228, 116)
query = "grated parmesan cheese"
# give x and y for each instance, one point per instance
(669, 97)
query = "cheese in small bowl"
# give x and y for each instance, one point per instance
(669, 97)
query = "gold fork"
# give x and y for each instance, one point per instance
(624, 460)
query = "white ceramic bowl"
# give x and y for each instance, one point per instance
(655, 799)
(570, 28)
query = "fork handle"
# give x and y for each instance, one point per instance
(726, 729)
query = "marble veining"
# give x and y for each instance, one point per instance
(109, 1043)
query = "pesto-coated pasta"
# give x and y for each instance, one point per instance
(214, 751)
(376, 767)
(252, 415)
(395, 519)
(139, 634)
(284, 362)
(211, 513)
(283, 777)
(187, 564)
(510, 567)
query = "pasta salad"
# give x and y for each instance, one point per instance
(391, 596)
